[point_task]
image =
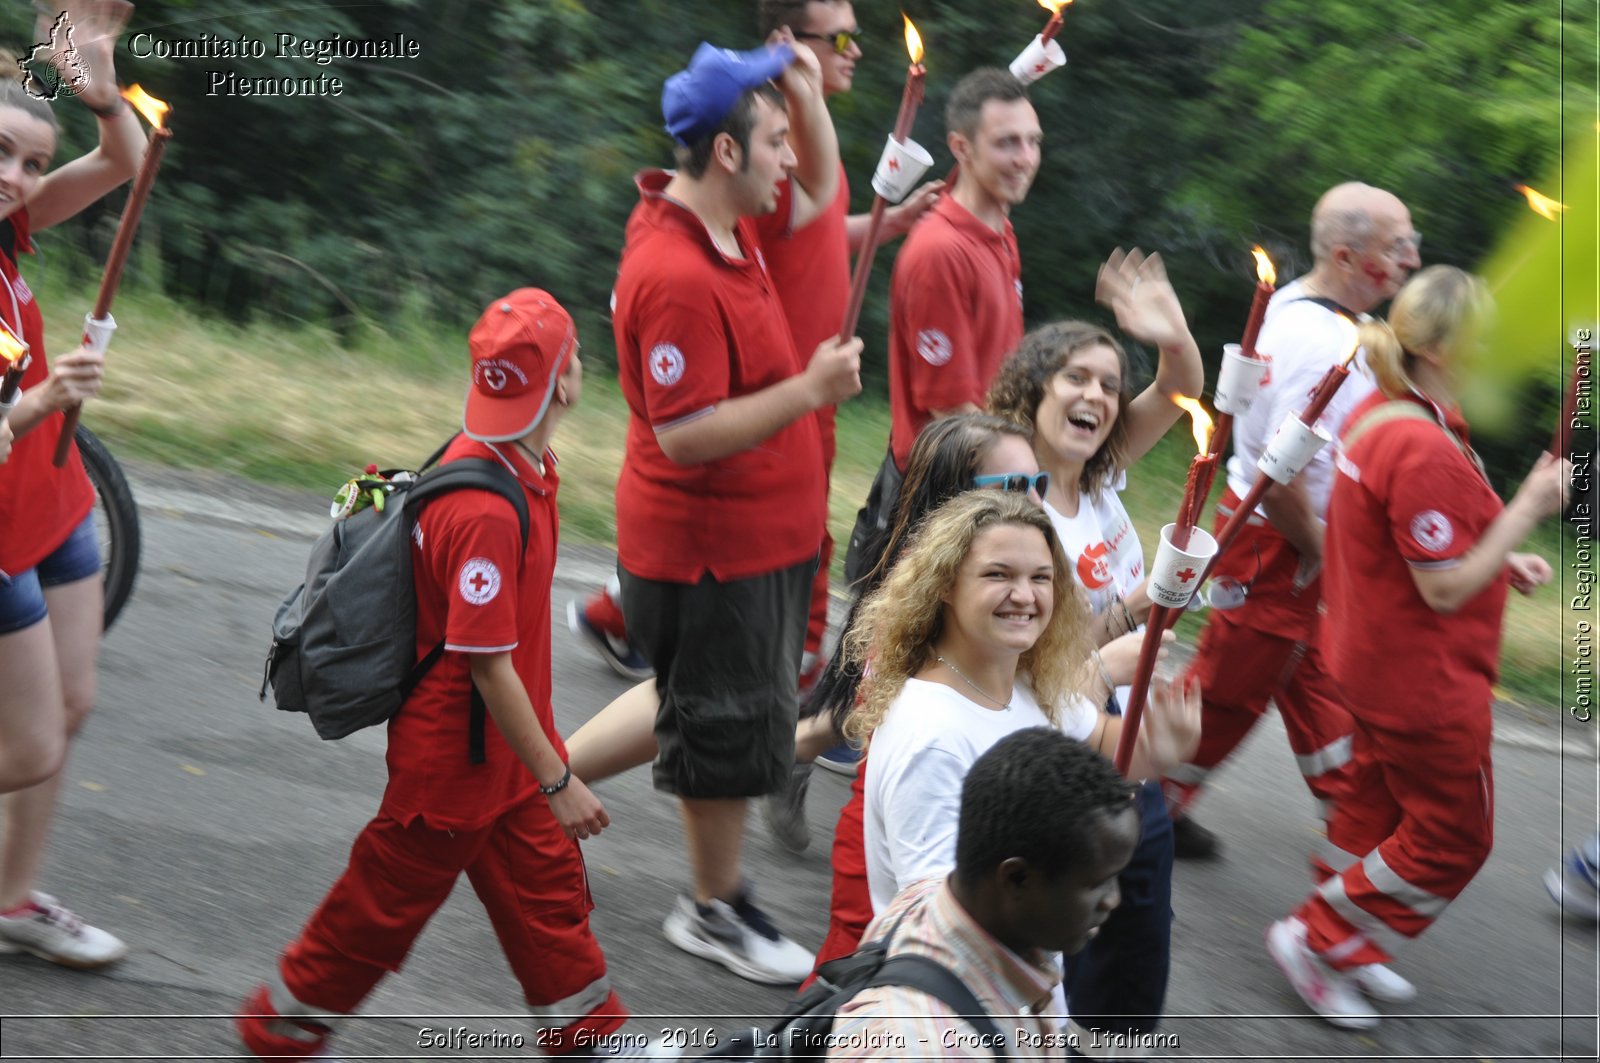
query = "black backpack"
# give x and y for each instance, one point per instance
(802, 1034)
(344, 648)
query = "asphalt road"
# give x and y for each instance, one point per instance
(203, 827)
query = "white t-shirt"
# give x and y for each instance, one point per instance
(919, 757)
(1302, 339)
(1103, 550)
(1101, 544)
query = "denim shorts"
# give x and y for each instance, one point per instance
(22, 595)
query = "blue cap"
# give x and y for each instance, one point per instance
(696, 100)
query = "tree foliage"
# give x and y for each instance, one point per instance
(502, 156)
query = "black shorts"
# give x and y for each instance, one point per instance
(727, 661)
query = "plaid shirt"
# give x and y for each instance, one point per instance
(897, 1023)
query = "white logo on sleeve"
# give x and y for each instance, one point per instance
(479, 582)
(933, 346)
(1432, 531)
(666, 364)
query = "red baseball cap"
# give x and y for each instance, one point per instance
(519, 347)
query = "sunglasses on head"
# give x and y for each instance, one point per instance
(1019, 482)
(841, 39)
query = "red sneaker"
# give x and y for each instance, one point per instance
(270, 1036)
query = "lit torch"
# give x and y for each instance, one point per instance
(14, 353)
(1042, 54)
(1542, 204)
(1175, 575)
(1561, 442)
(1052, 27)
(904, 162)
(99, 325)
(1266, 278)
(1289, 451)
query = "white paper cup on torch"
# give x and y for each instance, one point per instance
(1175, 575)
(1291, 449)
(901, 167)
(1239, 382)
(97, 332)
(1037, 59)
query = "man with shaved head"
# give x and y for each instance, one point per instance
(1364, 248)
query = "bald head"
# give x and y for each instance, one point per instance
(1363, 243)
(1348, 214)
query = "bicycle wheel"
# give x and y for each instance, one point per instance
(116, 522)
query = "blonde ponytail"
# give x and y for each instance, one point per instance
(1386, 357)
(1440, 307)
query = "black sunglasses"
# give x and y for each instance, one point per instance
(841, 39)
(1019, 482)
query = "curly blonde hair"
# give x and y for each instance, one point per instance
(1019, 387)
(900, 622)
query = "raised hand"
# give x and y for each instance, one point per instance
(1135, 287)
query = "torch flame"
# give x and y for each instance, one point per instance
(154, 110)
(11, 349)
(1265, 272)
(913, 39)
(1054, 6)
(1542, 204)
(1199, 421)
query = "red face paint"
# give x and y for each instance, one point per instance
(1374, 274)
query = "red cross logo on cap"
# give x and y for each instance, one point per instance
(894, 164)
(1041, 67)
(1186, 575)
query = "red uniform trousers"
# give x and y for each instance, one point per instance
(528, 875)
(1266, 650)
(1415, 826)
(850, 905)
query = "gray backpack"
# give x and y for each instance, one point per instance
(344, 646)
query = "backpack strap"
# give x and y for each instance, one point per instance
(934, 978)
(458, 475)
(1329, 304)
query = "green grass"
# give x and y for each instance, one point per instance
(295, 407)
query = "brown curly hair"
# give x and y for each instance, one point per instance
(1019, 388)
(900, 622)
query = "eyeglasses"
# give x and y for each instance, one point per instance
(1412, 241)
(840, 39)
(1019, 482)
(1225, 592)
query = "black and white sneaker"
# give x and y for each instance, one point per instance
(740, 937)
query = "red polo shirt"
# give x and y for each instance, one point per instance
(811, 267)
(694, 328)
(955, 313)
(1405, 497)
(482, 593)
(39, 503)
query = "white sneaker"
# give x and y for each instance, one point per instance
(1380, 982)
(1326, 991)
(740, 937)
(52, 932)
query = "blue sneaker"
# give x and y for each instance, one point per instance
(842, 759)
(618, 654)
(1575, 885)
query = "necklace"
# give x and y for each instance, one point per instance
(538, 459)
(1006, 705)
